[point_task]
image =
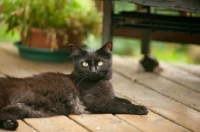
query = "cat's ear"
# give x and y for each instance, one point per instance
(106, 50)
(75, 51)
(107, 47)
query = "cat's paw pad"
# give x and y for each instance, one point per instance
(10, 124)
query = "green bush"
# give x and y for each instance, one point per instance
(55, 16)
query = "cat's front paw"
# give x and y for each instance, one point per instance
(140, 110)
(122, 100)
(9, 124)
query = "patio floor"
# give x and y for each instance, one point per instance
(172, 97)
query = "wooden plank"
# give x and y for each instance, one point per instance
(103, 123)
(194, 69)
(152, 123)
(180, 76)
(180, 5)
(168, 108)
(9, 67)
(165, 86)
(11, 53)
(23, 127)
(40, 66)
(55, 124)
(171, 90)
(12, 65)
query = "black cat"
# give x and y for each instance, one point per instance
(86, 90)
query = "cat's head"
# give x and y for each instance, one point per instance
(94, 64)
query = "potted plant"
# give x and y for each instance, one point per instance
(50, 24)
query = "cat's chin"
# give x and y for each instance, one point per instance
(94, 78)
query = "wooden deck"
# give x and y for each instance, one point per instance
(172, 97)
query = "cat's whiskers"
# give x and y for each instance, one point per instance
(81, 80)
(75, 79)
(82, 75)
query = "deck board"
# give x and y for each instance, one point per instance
(152, 121)
(194, 69)
(165, 86)
(162, 105)
(176, 74)
(173, 105)
(15, 66)
(55, 124)
(23, 127)
(181, 76)
(103, 123)
(22, 68)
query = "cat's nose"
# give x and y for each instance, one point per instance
(93, 70)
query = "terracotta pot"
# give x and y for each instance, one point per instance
(39, 39)
(1, 8)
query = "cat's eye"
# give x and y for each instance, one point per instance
(100, 63)
(85, 64)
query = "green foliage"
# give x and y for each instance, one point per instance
(7, 37)
(57, 15)
(123, 6)
(171, 52)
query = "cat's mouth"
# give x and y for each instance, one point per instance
(94, 77)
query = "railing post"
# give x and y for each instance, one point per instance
(107, 21)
